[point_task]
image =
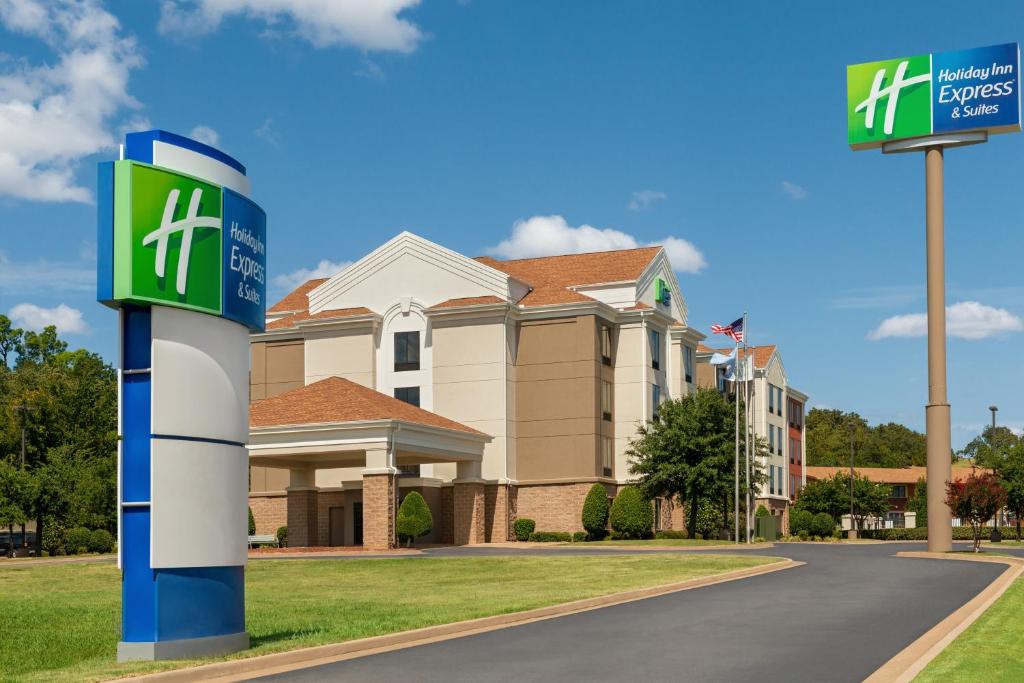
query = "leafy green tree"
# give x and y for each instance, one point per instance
(631, 515)
(832, 496)
(10, 342)
(885, 445)
(824, 495)
(37, 348)
(709, 520)
(414, 518)
(595, 512)
(688, 453)
(1011, 475)
(975, 500)
(17, 493)
(991, 447)
(918, 503)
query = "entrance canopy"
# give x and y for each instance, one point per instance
(339, 423)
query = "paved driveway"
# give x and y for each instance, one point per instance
(838, 618)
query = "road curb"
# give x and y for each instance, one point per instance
(911, 660)
(280, 662)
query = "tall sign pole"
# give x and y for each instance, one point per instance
(927, 103)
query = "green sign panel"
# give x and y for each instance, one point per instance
(167, 238)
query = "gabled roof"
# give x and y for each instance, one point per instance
(292, 320)
(889, 475)
(762, 354)
(553, 277)
(297, 299)
(334, 400)
(467, 301)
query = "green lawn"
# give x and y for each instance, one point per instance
(990, 648)
(61, 622)
(658, 542)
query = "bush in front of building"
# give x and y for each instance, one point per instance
(252, 523)
(709, 520)
(672, 534)
(580, 536)
(595, 512)
(282, 536)
(77, 540)
(550, 537)
(632, 516)
(822, 524)
(414, 518)
(523, 527)
(762, 511)
(800, 522)
(101, 541)
(54, 538)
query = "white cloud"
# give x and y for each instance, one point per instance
(793, 190)
(966, 319)
(364, 24)
(549, 235)
(267, 133)
(58, 276)
(205, 135)
(643, 199)
(67, 320)
(323, 269)
(53, 115)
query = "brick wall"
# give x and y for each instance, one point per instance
(378, 511)
(302, 518)
(446, 519)
(324, 502)
(496, 513)
(269, 512)
(469, 513)
(554, 507)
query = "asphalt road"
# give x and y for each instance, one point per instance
(837, 618)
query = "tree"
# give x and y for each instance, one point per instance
(631, 515)
(918, 503)
(885, 445)
(37, 348)
(16, 497)
(595, 512)
(832, 496)
(687, 452)
(991, 448)
(10, 342)
(414, 518)
(1011, 475)
(975, 500)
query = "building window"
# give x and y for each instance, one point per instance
(410, 395)
(899, 491)
(771, 479)
(655, 350)
(792, 451)
(792, 486)
(771, 399)
(688, 362)
(771, 438)
(407, 351)
(606, 456)
(778, 400)
(606, 400)
(606, 344)
(655, 399)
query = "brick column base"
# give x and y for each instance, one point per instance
(446, 521)
(302, 517)
(379, 511)
(496, 510)
(468, 510)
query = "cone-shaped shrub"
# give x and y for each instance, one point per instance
(631, 515)
(252, 523)
(414, 518)
(595, 512)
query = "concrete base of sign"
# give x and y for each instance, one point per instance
(187, 648)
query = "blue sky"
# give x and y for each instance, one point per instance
(721, 128)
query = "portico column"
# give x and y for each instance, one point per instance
(379, 481)
(302, 507)
(469, 504)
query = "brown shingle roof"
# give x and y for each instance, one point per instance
(330, 314)
(340, 400)
(762, 354)
(889, 475)
(552, 276)
(297, 299)
(467, 301)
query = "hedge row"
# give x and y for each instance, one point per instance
(960, 533)
(550, 537)
(58, 541)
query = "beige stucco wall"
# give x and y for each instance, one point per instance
(341, 353)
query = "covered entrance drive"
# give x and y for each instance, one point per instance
(366, 436)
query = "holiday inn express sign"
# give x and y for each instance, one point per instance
(944, 92)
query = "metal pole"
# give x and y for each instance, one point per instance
(746, 420)
(996, 536)
(940, 519)
(736, 467)
(853, 531)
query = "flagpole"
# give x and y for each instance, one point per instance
(736, 468)
(746, 415)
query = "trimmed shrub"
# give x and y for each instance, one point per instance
(698, 536)
(803, 536)
(550, 537)
(595, 512)
(800, 522)
(580, 536)
(78, 540)
(252, 523)
(101, 541)
(631, 515)
(414, 518)
(672, 534)
(523, 527)
(709, 520)
(282, 536)
(762, 511)
(822, 524)
(54, 537)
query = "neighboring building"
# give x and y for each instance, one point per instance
(777, 417)
(498, 389)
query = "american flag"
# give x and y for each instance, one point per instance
(733, 329)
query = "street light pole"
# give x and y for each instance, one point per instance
(996, 537)
(853, 530)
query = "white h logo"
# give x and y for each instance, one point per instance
(185, 226)
(892, 91)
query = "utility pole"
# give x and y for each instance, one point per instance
(996, 537)
(853, 530)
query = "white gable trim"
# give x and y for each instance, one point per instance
(658, 263)
(489, 279)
